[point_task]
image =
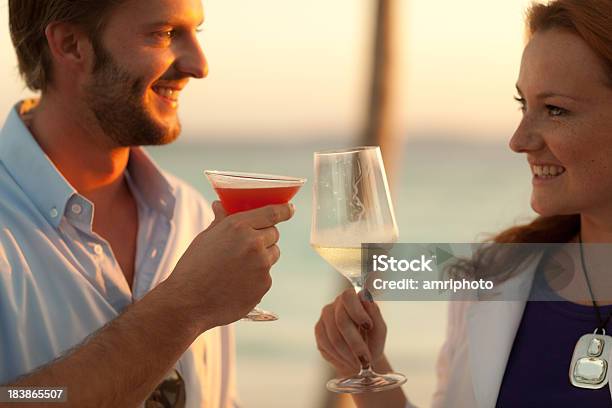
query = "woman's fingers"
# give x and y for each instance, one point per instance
(355, 309)
(378, 333)
(350, 333)
(330, 357)
(342, 350)
(375, 314)
(328, 351)
(338, 333)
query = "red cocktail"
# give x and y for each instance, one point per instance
(247, 191)
(241, 199)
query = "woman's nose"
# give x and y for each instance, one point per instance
(526, 137)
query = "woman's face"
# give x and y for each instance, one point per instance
(566, 129)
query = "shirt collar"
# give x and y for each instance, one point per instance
(33, 171)
(150, 181)
(42, 182)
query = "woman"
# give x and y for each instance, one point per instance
(511, 354)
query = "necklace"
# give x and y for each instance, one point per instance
(589, 366)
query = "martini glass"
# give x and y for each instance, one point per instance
(247, 191)
(351, 206)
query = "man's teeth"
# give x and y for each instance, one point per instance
(547, 171)
(167, 92)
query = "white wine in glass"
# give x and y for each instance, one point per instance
(351, 206)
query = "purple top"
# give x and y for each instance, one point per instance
(537, 373)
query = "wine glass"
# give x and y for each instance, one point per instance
(246, 191)
(351, 206)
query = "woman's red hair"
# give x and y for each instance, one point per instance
(591, 20)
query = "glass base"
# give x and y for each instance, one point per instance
(366, 381)
(259, 315)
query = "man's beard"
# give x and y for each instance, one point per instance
(116, 99)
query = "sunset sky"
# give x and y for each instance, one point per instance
(288, 70)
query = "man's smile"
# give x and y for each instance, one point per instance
(169, 92)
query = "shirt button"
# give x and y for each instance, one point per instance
(76, 208)
(98, 249)
(154, 253)
(54, 213)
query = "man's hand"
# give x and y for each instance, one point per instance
(221, 276)
(226, 270)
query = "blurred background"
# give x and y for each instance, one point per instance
(288, 78)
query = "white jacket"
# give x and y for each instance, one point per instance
(479, 339)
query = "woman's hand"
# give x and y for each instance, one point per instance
(338, 333)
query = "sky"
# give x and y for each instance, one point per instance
(289, 71)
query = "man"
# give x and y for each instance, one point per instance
(93, 295)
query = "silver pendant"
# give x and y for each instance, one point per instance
(589, 367)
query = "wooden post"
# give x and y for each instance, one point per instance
(379, 123)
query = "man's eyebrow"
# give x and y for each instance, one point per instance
(172, 23)
(549, 94)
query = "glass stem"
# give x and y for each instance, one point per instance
(366, 369)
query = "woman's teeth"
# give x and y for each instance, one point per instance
(547, 171)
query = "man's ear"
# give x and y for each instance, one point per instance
(69, 45)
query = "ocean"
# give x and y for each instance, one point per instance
(444, 190)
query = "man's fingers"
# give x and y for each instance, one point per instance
(270, 236)
(219, 212)
(274, 254)
(356, 309)
(267, 216)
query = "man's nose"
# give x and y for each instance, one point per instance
(192, 60)
(526, 137)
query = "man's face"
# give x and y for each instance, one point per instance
(145, 57)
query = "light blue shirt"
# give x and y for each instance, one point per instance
(59, 280)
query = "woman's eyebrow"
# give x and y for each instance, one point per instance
(548, 94)
(518, 90)
(543, 95)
